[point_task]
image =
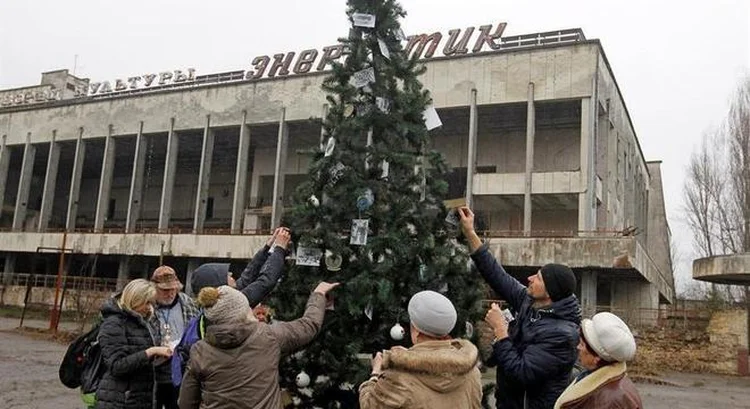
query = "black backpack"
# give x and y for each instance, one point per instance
(82, 366)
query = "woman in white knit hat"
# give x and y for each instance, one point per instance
(235, 344)
(606, 343)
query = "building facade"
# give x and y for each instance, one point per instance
(183, 167)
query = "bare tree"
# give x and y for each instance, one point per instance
(717, 187)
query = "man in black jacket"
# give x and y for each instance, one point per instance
(535, 353)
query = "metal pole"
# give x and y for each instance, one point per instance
(54, 316)
(471, 160)
(161, 255)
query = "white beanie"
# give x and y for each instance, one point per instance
(432, 313)
(609, 337)
(223, 305)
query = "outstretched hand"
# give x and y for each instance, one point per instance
(467, 219)
(324, 288)
(283, 237)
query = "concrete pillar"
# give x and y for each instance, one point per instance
(530, 135)
(279, 170)
(586, 213)
(105, 182)
(588, 293)
(170, 166)
(636, 302)
(24, 184)
(204, 177)
(240, 176)
(50, 181)
(471, 161)
(4, 162)
(9, 267)
(75, 182)
(123, 272)
(136, 181)
(193, 263)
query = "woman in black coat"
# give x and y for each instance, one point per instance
(128, 348)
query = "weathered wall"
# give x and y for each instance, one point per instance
(561, 72)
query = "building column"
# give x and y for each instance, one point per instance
(105, 182)
(193, 263)
(75, 182)
(240, 176)
(204, 177)
(4, 162)
(136, 181)
(9, 267)
(279, 170)
(528, 176)
(170, 166)
(24, 184)
(471, 161)
(586, 214)
(50, 181)
(123, 272)
(588, 293)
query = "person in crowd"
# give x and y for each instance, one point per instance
(437, 372)
(257, 280)
(535, 353)
(129, 349)
(606, 345)
(174, 310)
(236, 343)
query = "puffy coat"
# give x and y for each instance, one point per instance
(534, 362)
(237, 366)
(607, 387)
(429, 375)
(129, 380)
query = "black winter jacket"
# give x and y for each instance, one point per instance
(535, 361)
(129, 378)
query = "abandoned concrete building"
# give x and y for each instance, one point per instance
(183, 167)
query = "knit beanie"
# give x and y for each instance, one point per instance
(223, 305)
(559, 281)
(432, 313)
(209, 275)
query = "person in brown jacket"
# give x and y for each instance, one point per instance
(236, 343)
(437, 372)
(606, 344)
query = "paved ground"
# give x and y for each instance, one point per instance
(28, 379)
(28, 372)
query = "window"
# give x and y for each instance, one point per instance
(111, 209)
(210, 208)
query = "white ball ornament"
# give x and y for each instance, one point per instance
(397, 332)
(303, 379)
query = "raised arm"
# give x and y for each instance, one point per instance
(295, 334)
(493, 273)
(252, 270)
(270, 273)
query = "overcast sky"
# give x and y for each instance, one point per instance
(676, 64)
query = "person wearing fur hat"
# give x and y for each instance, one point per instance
(536, 351)
(436, 372)
(174, 310)
(256, 281)
(606, 345)
(236, 343)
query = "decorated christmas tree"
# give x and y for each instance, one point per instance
(371, 215)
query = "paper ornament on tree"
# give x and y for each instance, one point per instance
(363, 77)
(363, 20)
(359, 232)
(330, 146)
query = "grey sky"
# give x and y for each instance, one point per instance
(676, 64)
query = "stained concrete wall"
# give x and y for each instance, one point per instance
(620, 161)
(559, 72)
